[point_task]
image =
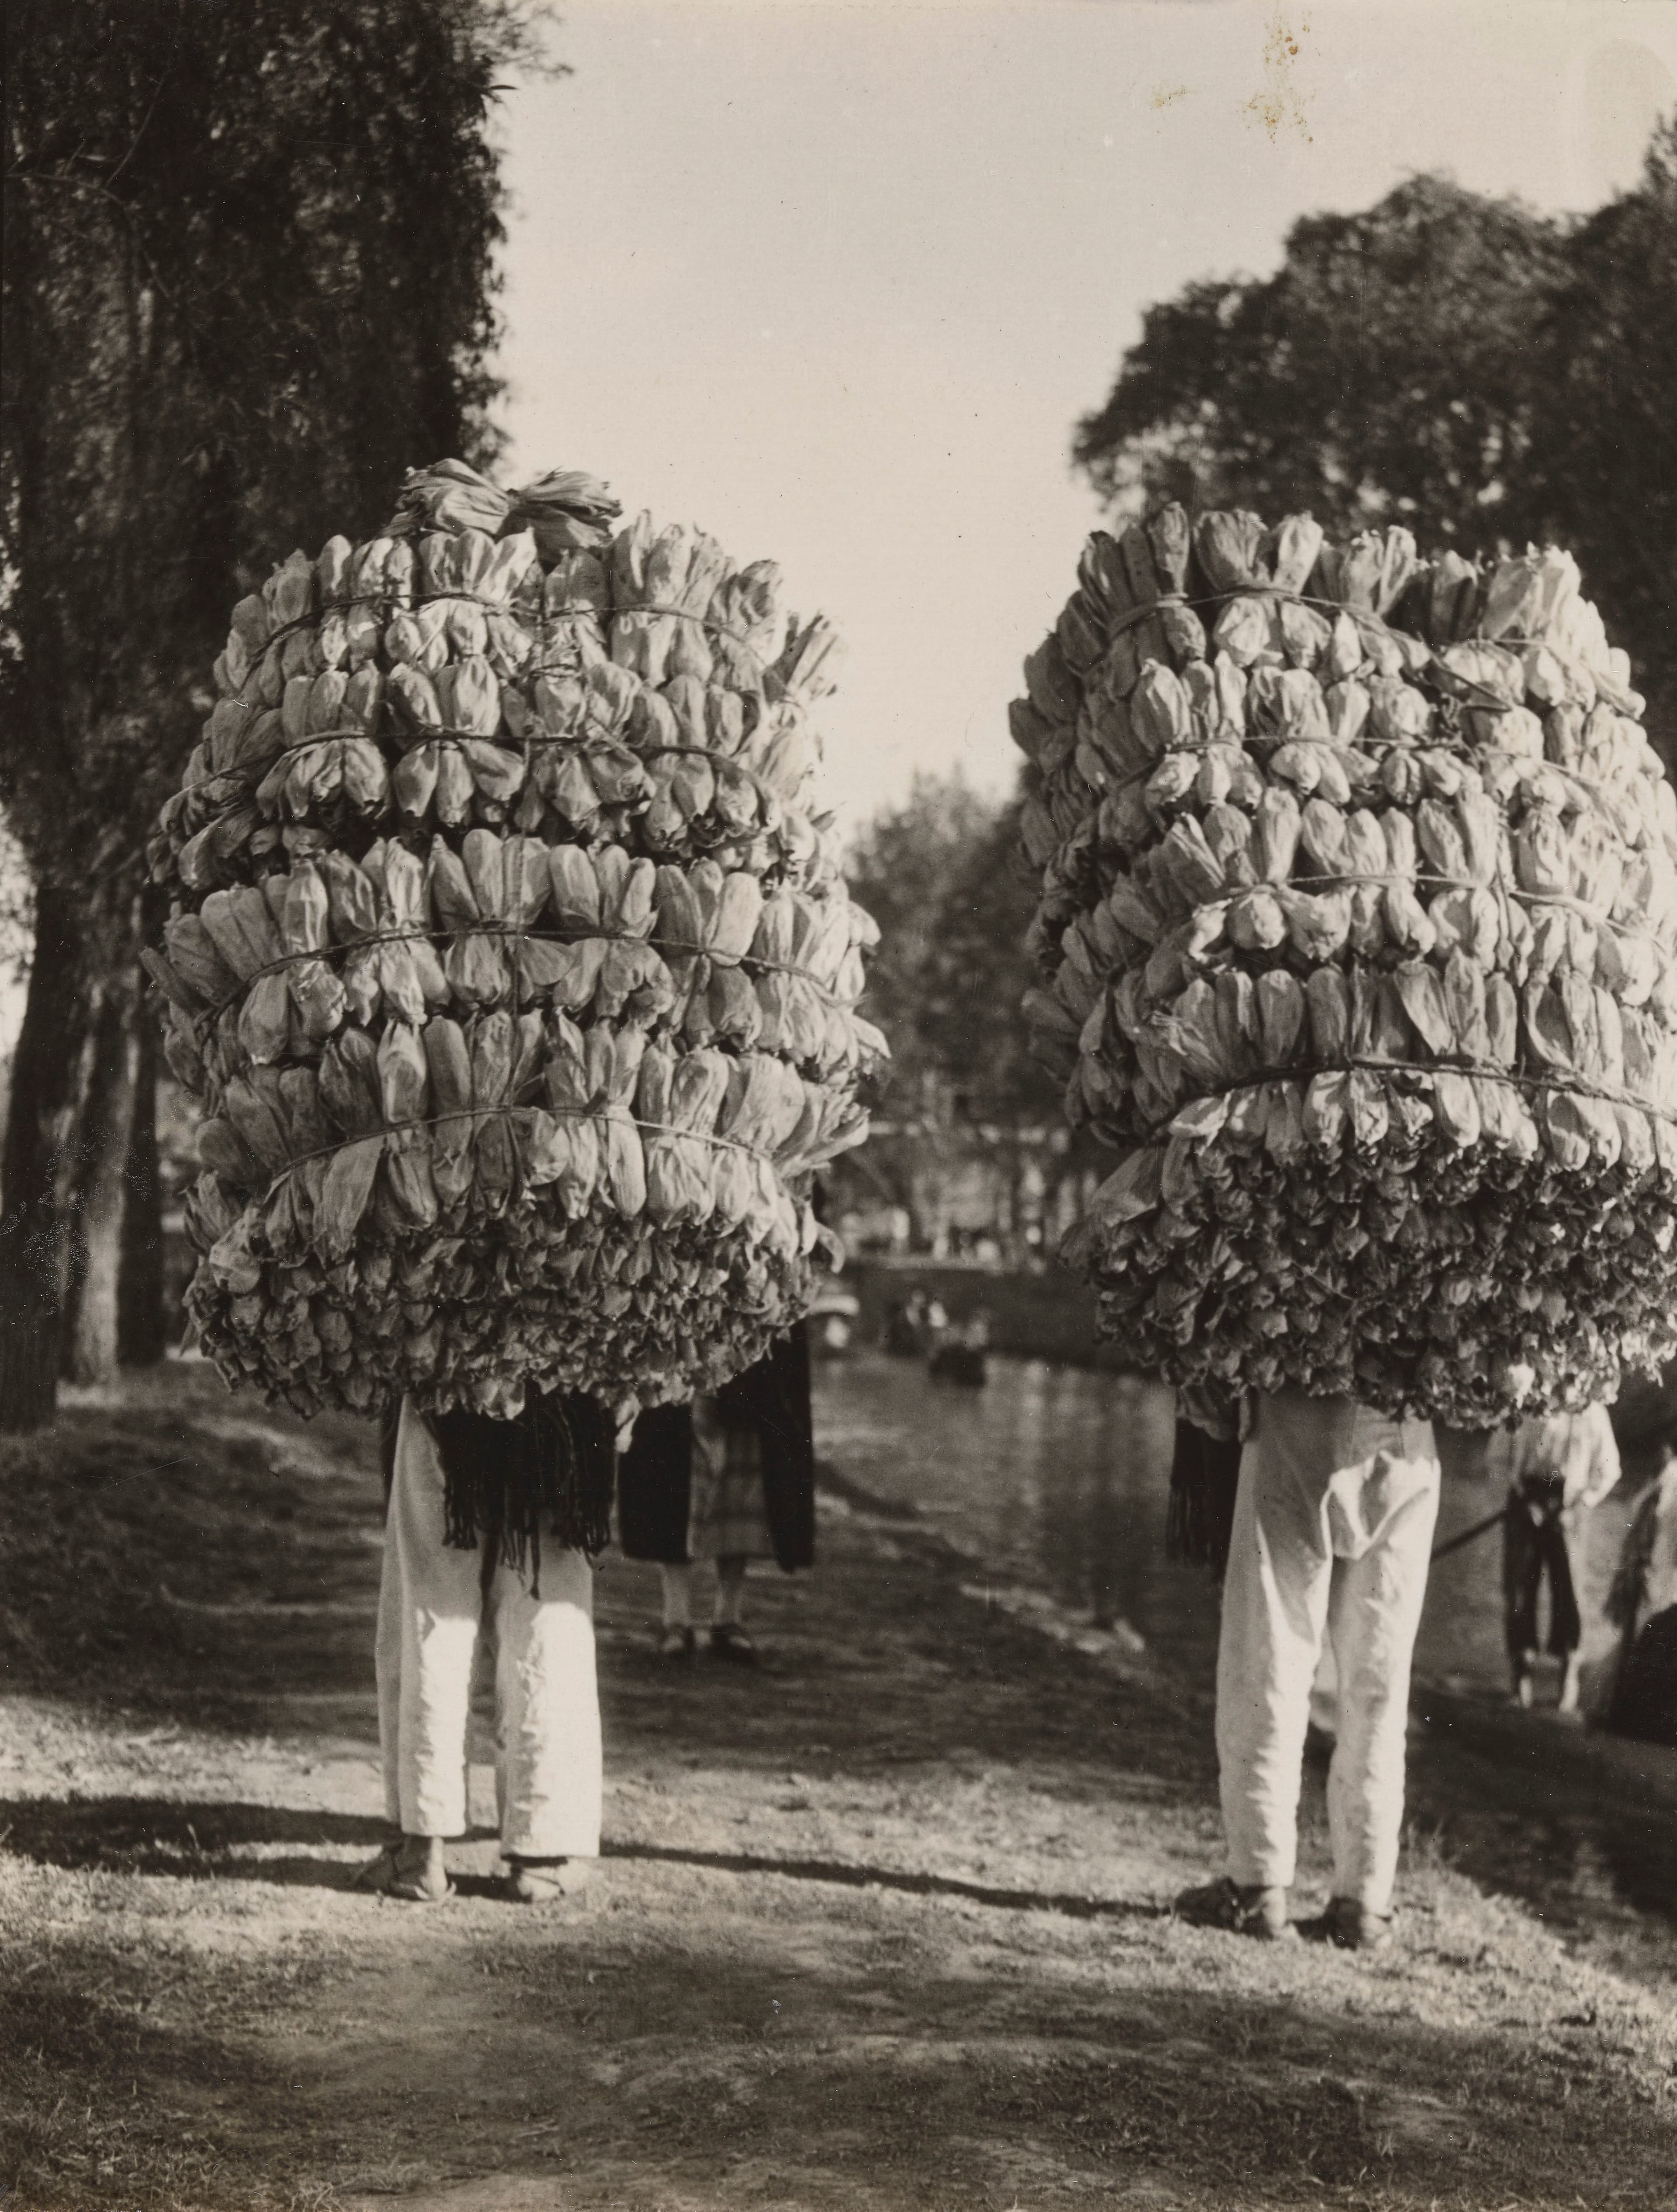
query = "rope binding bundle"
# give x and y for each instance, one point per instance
(513, 970)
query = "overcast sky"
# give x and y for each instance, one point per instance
(835, 280)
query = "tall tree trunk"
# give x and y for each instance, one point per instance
(46, 1084)
(99, 1189)
(141, 1323)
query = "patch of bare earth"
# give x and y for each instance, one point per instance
(881, 1926)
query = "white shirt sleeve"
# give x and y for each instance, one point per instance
(1592, 1464)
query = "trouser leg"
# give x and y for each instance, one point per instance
(1522, 1571)
(1375, 1610)
(1274, 1607)
(1565, 1626)
(438, 1601)
(387, 1666)
(730, 1589)
(548, 1761)
(678, 1582)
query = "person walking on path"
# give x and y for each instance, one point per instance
(729, 1479)
(1333, 1527)
(490, 1526)
(1556, 1468)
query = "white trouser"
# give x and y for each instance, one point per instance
(433, 1601)
(1332, 1530)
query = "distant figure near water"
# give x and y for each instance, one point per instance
(915, 1325)
(962, 1353)
(1556, 1468)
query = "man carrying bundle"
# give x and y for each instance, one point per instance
(1556, 1468)
(488, 1528)
(1332, 1528)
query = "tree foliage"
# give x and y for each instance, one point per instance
(1605, 423)
(249, 279)
(1464, 364)
(976, 972)
(941, 875)
(901, 868)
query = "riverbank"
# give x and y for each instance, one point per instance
(1060, 1478)
(880, 1927)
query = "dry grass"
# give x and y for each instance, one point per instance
(880, 1927)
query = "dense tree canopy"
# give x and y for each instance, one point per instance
(1459, 363)
(1384, 371)
(249, 279)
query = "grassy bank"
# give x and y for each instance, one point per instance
(880, 1927)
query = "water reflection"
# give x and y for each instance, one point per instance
(1050, 1476)
(1059, 1478)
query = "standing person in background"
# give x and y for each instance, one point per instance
(1332, 1532)
(1556, 1468)
(490, 1526)
(730, 1479)
(1641, 1605)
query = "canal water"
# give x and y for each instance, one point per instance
(1057, 1478)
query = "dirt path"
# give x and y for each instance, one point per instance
(879, 1928)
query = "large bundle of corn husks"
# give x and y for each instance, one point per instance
(515, 979)
(1357, 927)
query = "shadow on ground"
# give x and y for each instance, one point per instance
(214, 1839)
(194, 1561)
(910, 2061)
(192, 1841)
(878, 1927)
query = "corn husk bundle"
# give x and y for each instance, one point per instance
(1356, 927)
(515, 978)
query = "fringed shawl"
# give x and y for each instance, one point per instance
(1200, 1523)
(506, 1484)
(771, 1399)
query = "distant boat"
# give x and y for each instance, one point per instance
(902, 1340)
(962, 1353)
(966, 1364)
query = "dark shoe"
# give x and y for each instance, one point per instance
(541, 1882)
(729, 1641)
(412, 1871)
(1261, 1912)
(377, 1874)
(679, 1644)
(1350, 1926)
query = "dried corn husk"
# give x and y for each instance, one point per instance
(1358, 940)
(515, 977)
